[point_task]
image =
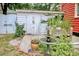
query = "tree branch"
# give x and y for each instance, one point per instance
(2, 6)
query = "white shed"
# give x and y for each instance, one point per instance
(32, 21)
(30, 18)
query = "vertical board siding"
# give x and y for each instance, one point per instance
(75, 24)
(69, 14)
(21, 19)
(32, 23)
(10, 20)
(2, 22)
(69, 10)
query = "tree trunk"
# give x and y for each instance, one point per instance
(4, 8)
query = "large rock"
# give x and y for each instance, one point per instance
(25, 44)
(15, 42)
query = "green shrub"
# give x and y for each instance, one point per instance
(56, 21)
(19, 30)
(63, 47)
(66, 25)
(42, 47)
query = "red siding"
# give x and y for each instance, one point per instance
(69, 14)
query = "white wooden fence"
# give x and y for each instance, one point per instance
(30, 19)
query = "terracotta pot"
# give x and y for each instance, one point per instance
(34, 46)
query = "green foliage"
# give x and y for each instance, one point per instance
(42, 47)
(66, 25)
(34, 6)
(56, 7)
(63, 48)
(55, 22)
(63, 45)
(19, 30)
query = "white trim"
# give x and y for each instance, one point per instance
(76, 11)
(75, 43)
(37, 11)
(11, 12)
(32, 11)
(60, 6)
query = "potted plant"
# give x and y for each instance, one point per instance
(34, 44)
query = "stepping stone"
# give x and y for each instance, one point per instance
(14, 42)
(25, 44)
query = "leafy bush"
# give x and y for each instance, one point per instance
(19, 30)
(63, 47)
(66, 25)
(62, 50)
(56, 21)
(63, 44)
(42, 47)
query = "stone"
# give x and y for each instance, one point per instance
(14, 42)
(25, 44)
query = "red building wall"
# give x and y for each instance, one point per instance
(69, 14)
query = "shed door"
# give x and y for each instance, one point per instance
(43, 26)
(33, 22)
(34, 25)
